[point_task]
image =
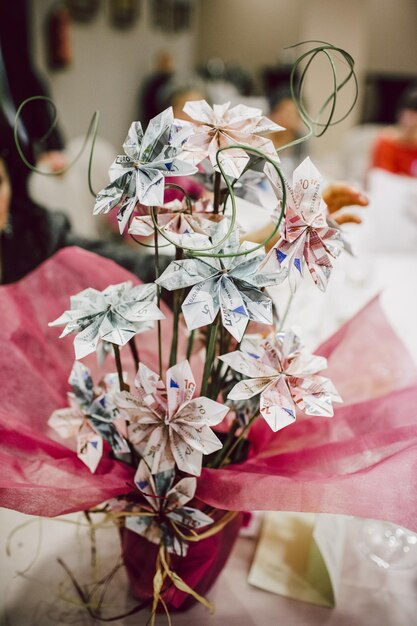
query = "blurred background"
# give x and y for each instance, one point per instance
(132, 58)
(108, 59)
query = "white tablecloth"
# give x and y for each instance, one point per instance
(368, 596)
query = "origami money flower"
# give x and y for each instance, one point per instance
(222, 126)
(167, 501)
(230, 285)
(185, 229)
(138, 175)
(91, 417)
(167, 425)
(116, 315)
(285, 375)
(306, 236)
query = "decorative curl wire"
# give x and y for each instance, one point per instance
(205, 252)
(296, 86)
(91, 132)
(328, 50)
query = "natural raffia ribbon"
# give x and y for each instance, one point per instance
(163, 571)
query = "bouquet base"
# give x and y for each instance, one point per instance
(199, 568)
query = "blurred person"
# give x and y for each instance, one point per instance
(19, 81)
(179, 90)
(395, 149)
(283, 111)
(30, 234)
(149, 93)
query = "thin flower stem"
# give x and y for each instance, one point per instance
(135, 353)
(190, 344)
(217, 191)
(213, 390)
(210, 354)
(286, 312)
(176, 317)
(222, 380)
(159, 348)
(123, 386)
(93, 545)
(178, 297)
(158, 295)
(229, 453)
(219, 458)
(223, 350)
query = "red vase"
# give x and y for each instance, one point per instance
(200, 567)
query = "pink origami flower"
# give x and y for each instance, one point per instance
(306, 236)
(168, 426)
(285, 375)
(185, 229)
(222, 126)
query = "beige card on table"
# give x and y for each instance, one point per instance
(299, 555)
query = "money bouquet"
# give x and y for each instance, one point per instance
(175, 440)
(163, 422)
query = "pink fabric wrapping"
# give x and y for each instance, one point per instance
(362, 461)
(38, 473)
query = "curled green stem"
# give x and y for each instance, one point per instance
(91, 132)
(297, 83)
(208, 251)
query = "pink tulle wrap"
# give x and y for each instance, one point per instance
(361, 462)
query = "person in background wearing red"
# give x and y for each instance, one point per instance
(395, 149)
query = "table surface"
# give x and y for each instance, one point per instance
(34, 589)
(43, 596)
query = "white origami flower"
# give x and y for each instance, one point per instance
(167, 500)
(230, 285)
(91, 417)
(285, 375)
(167, 425)
(116, 315)
(305, 234)
(222, 126)
(138, 175)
